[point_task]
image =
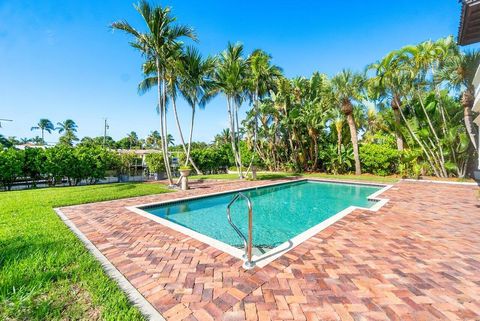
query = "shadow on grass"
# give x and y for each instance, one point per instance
(35, 264)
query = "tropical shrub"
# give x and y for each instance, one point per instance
(79, 163)
(92, 164)
(379, 159)
(125, 162)
(410, 164)
(210, 159)
(11, 162)
(34, 164)
(335, 163)
(155, 162)
(60, 163)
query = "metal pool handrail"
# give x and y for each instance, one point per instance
(248, 244)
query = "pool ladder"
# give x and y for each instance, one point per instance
(248, 264)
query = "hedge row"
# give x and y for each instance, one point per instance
(56, 163)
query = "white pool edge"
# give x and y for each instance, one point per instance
(263, 260)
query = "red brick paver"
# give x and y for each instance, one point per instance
(417, 258)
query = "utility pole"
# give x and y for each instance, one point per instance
(105, 127)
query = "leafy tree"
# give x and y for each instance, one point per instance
(11, 162)
(34, 164)
(4, 142)
(155, 162)
(60, 163)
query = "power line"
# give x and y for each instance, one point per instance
(4, 120)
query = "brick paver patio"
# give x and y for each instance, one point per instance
(417, 258)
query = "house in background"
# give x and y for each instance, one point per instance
(469, 33)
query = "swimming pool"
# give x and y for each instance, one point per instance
(281, 212)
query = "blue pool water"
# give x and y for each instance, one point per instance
(279, 212)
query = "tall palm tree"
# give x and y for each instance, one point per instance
(159, 44)
(196, 87)
(388, 83)
(230, 78)
(262, 76)
(348, 86)
(44, 125)
(459, 71)
(67, 126)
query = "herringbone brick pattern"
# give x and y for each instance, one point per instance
(417, 258)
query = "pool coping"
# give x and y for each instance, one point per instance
(276, 252)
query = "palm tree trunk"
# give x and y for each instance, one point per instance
(339, 144)
(415, 137)
(442, 159)
(182, 140)
(240, 173)
(161, 107)
(353, 134)
(398, 135)
(315, 148)
(165, 128)
(190, 141)
(467, 102)
(232, 132)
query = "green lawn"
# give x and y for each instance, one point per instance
(269, 175)
(45, 271)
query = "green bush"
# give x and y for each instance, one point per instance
(379, 159)
(210, 159)
(92, 163)
(34, 164)
(11, 162)
(80, 163)
(60, 163)
(155, 162)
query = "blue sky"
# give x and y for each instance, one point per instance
(59, 59)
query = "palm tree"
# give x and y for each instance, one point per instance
(4, 142)
(196, 87)
(44, 125)
(170, 140)
(37, 140)
(223, 137)
(388, 82)
(132, 139)
(459, 71)
(159, 44)
(67, 126)
(262, 77)
(154, 139)
(347, 86)
(230, 78)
